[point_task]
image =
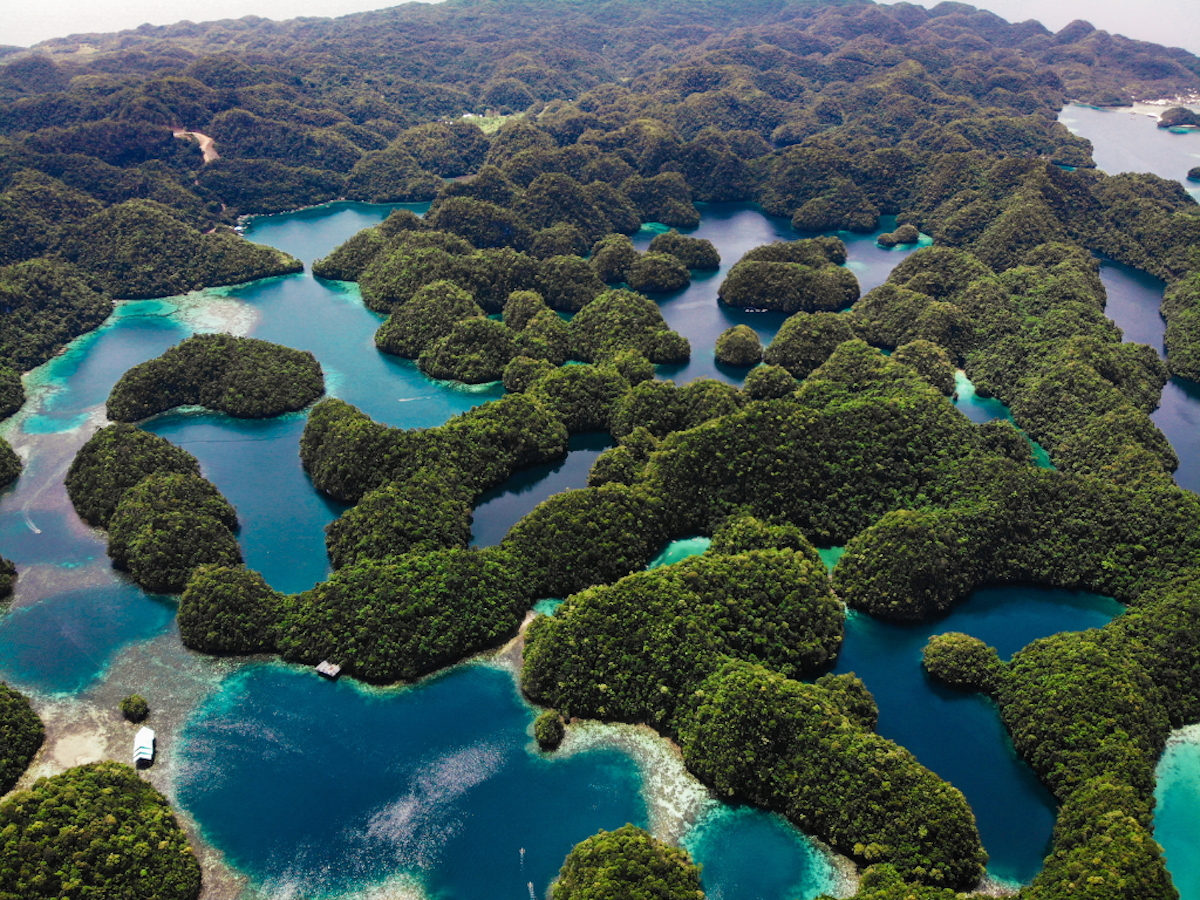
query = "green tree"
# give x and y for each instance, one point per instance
(627, 862)
(21, 731)
(76, 835)
(739, 346)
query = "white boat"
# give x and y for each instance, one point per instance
(143, 746)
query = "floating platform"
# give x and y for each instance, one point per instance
(329, 670)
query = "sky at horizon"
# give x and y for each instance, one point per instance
(1170, 22)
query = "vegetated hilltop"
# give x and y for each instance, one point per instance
(628, 862)
(244, 377)
(163, 519)
(21, 735)
(829, 113)
(94, 831)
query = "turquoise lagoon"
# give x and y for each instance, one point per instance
(325, 789)
(1176, 824)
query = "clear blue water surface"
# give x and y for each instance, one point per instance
(735, 228)
(1131, 142)
(959, 736)
(1128, 141)
(316, 788)
(444, 777)
(1176, 823)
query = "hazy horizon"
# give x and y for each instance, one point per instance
(1172, 23)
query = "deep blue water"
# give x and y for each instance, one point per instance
(314, 788)
(959, 736)
(1133, 301)
(735, 228)
(256, 465)
(64, 643)
(505, 505)
(330, 786)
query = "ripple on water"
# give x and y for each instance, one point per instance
(321, 788)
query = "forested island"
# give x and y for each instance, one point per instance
(243, 377)
(615, 115)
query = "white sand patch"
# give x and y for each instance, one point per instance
(675, 800)
(990, 886)
(399, 887)
(42, 581)
(213, 311)
(77, 733)
(1188, 734)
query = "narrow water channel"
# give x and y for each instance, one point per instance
(315, 789)
(1130, 141)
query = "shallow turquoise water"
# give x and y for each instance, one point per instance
(987, 409)
(63, 644)
(830, 555)
(977, 409)
(83, 376)
(679, 550)
(747, 854)
(1176, 824)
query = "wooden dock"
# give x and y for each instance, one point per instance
(329, 670)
